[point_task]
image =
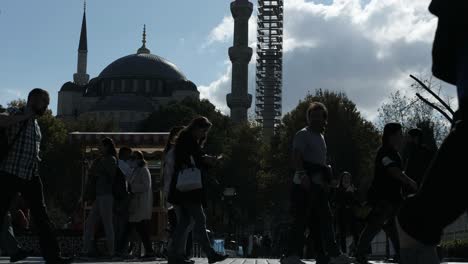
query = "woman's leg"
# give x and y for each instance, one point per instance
(106, 205)
(90, 223)
(143, 230)
(179, 237)
(199, 230)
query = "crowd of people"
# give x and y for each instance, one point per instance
(411, 199)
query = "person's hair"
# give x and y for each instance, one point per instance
(123, 151)
(140, 158)
(390, 129)
(185, 138)
(108, 143)
(172, 137)
(36, 92)
(417, 133)
(343, 174)
(200, 122)
(314, 106)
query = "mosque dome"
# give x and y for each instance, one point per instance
(143, 65)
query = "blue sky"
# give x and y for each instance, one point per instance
(365, 48)
(39, 39)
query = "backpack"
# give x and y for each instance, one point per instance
(119, 185)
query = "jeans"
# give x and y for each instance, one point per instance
(188, 214)
(312, 209)
(381, 217)
(102, 210)
(8, 242)
(321, 210)
(299, 215)
(31, 191)
(121, 226)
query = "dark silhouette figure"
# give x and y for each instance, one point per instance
(189, 158)
(19, 169)
(442, 196)
(385, 193)
(346, 201)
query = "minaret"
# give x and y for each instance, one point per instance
(239, 100)
(81, 77)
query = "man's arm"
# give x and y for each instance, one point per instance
(9, 120)
(398, 174)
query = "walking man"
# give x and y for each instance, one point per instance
(311, 191)
(19, 169)
(385, 194)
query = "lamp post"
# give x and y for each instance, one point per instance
(229, 195)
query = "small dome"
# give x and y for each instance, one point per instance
(142, 65)
(72, 87)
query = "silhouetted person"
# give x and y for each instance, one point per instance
(189, 203)
(385, 192)
(442, 196)
(103, 170)
(419, 156)
(310, 193)
(346, 200)
(141, 202)
(168, 171)
(19, 169)
(121, 206)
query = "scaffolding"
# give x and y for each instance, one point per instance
(269, 64)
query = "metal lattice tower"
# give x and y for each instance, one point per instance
(269, 64)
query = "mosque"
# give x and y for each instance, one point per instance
(127, 91)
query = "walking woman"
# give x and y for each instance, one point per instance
(189, 204)
(102, 174)
(141, 202)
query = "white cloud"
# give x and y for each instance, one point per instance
(366, 50)
(216, 91)
(222, 32)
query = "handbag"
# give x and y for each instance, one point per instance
(189, 179)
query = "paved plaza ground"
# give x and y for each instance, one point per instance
(35, 260)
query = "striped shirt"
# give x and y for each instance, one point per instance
(23, 157)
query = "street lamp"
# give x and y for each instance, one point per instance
(229, 194)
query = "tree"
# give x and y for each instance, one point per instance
(412, 112)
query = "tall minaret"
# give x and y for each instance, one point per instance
(239, 100)
(81, 77)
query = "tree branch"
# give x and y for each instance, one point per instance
(424, 86)
(435, 107)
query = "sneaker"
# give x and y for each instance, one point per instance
(362, 260)
(217, 258)
(21, 255)
(341, 259)
(291, 260)
(178, 260)
(190, 260)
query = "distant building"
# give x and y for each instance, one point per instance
(126, 91)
